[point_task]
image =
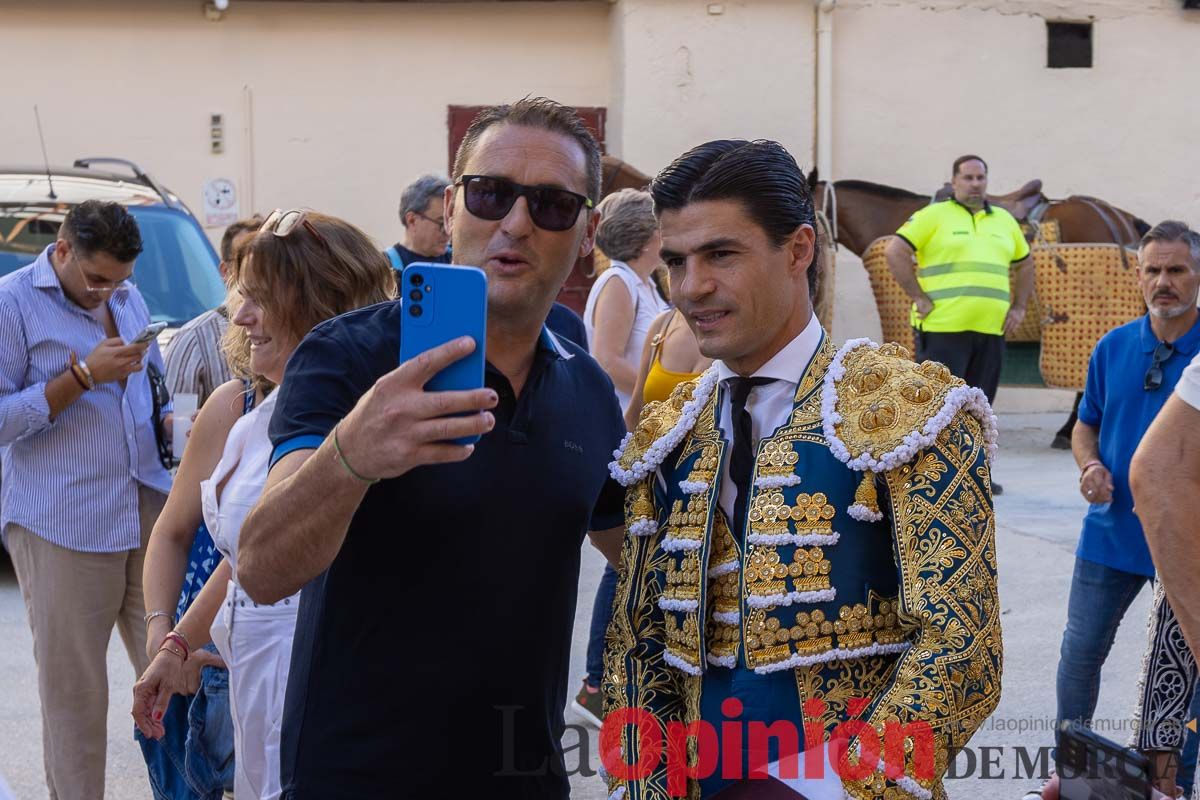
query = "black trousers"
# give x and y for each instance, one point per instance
(974, 357)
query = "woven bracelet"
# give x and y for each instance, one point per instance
(337, 446)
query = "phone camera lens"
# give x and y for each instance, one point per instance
(415, 295)
(415, 311)
(417, 279)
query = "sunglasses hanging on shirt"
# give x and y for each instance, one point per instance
(1154, 375)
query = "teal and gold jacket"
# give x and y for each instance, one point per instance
(868, 570)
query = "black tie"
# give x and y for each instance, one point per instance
(741, 461)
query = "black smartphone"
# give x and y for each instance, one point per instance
(1091, 767)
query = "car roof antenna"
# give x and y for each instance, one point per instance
(45, 158)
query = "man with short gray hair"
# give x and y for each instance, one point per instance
(1132, 372)
(425, 237)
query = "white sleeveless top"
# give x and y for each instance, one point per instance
(648, 304)
(245, 460)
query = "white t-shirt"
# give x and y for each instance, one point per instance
(1188, 388)
(647, 304)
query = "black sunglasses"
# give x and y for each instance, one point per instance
(1154, 375)
(492, 198)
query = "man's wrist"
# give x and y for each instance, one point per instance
(340, 455)
(1088, 466)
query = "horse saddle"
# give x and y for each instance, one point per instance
(1021, 203)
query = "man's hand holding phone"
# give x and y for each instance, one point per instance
(113, 360)
(397, 425)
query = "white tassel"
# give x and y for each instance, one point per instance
(863, 514)
(671, 604)
(791, 598)
(643, 526)
(776, 481)
(798, 539)
(840, 654)
(671, 544)
(681, 665)
(723, 569)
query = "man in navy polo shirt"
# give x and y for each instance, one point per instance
(1132, 372)
(439, 580)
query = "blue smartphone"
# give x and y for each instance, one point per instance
(441, 302)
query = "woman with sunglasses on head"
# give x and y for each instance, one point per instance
(300, 268)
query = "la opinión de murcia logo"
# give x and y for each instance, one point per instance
(902, 744)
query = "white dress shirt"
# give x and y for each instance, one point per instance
(769, 406)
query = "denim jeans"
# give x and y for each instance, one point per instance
(601, 614)
(194, 759)
(1099, 598)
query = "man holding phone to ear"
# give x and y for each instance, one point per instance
(83, 483)
(439, 580)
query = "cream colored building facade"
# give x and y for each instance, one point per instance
(336, 105)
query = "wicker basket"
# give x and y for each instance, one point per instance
(894, 305)
(823, 298)
(1086, 290)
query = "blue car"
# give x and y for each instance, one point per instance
(177, 270)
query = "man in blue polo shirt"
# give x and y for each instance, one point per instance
(1132, 372)
(439, 580)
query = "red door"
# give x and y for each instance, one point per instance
(458, 119)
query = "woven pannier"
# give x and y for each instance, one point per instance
(1086, 290)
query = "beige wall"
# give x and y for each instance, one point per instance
(683, 76)
(329, 105)
(337, 105)
(916, 86)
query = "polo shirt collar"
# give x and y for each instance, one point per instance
(549, 343)
(987, 207)
(44, 276)
(1188, 344)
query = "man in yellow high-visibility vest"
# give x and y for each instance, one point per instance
(962, 308)
(965, 247)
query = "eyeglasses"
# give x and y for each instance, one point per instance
(102, 291)
(492, 198)
(283, 223)
(1154, 375)
(441, 223)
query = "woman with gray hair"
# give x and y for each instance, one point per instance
(623, 301)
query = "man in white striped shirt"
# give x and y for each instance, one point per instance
(195, 362)
(83, 483)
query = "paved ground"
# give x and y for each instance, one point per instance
(1038, 525)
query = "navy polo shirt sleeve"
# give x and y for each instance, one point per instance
(1091, 407)
(610, 505)
(323, 381)
(566, 323)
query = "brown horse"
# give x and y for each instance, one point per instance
(861, 211)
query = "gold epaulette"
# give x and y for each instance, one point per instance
(660, 429)
(881, 408)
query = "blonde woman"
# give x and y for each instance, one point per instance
(300, 269)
